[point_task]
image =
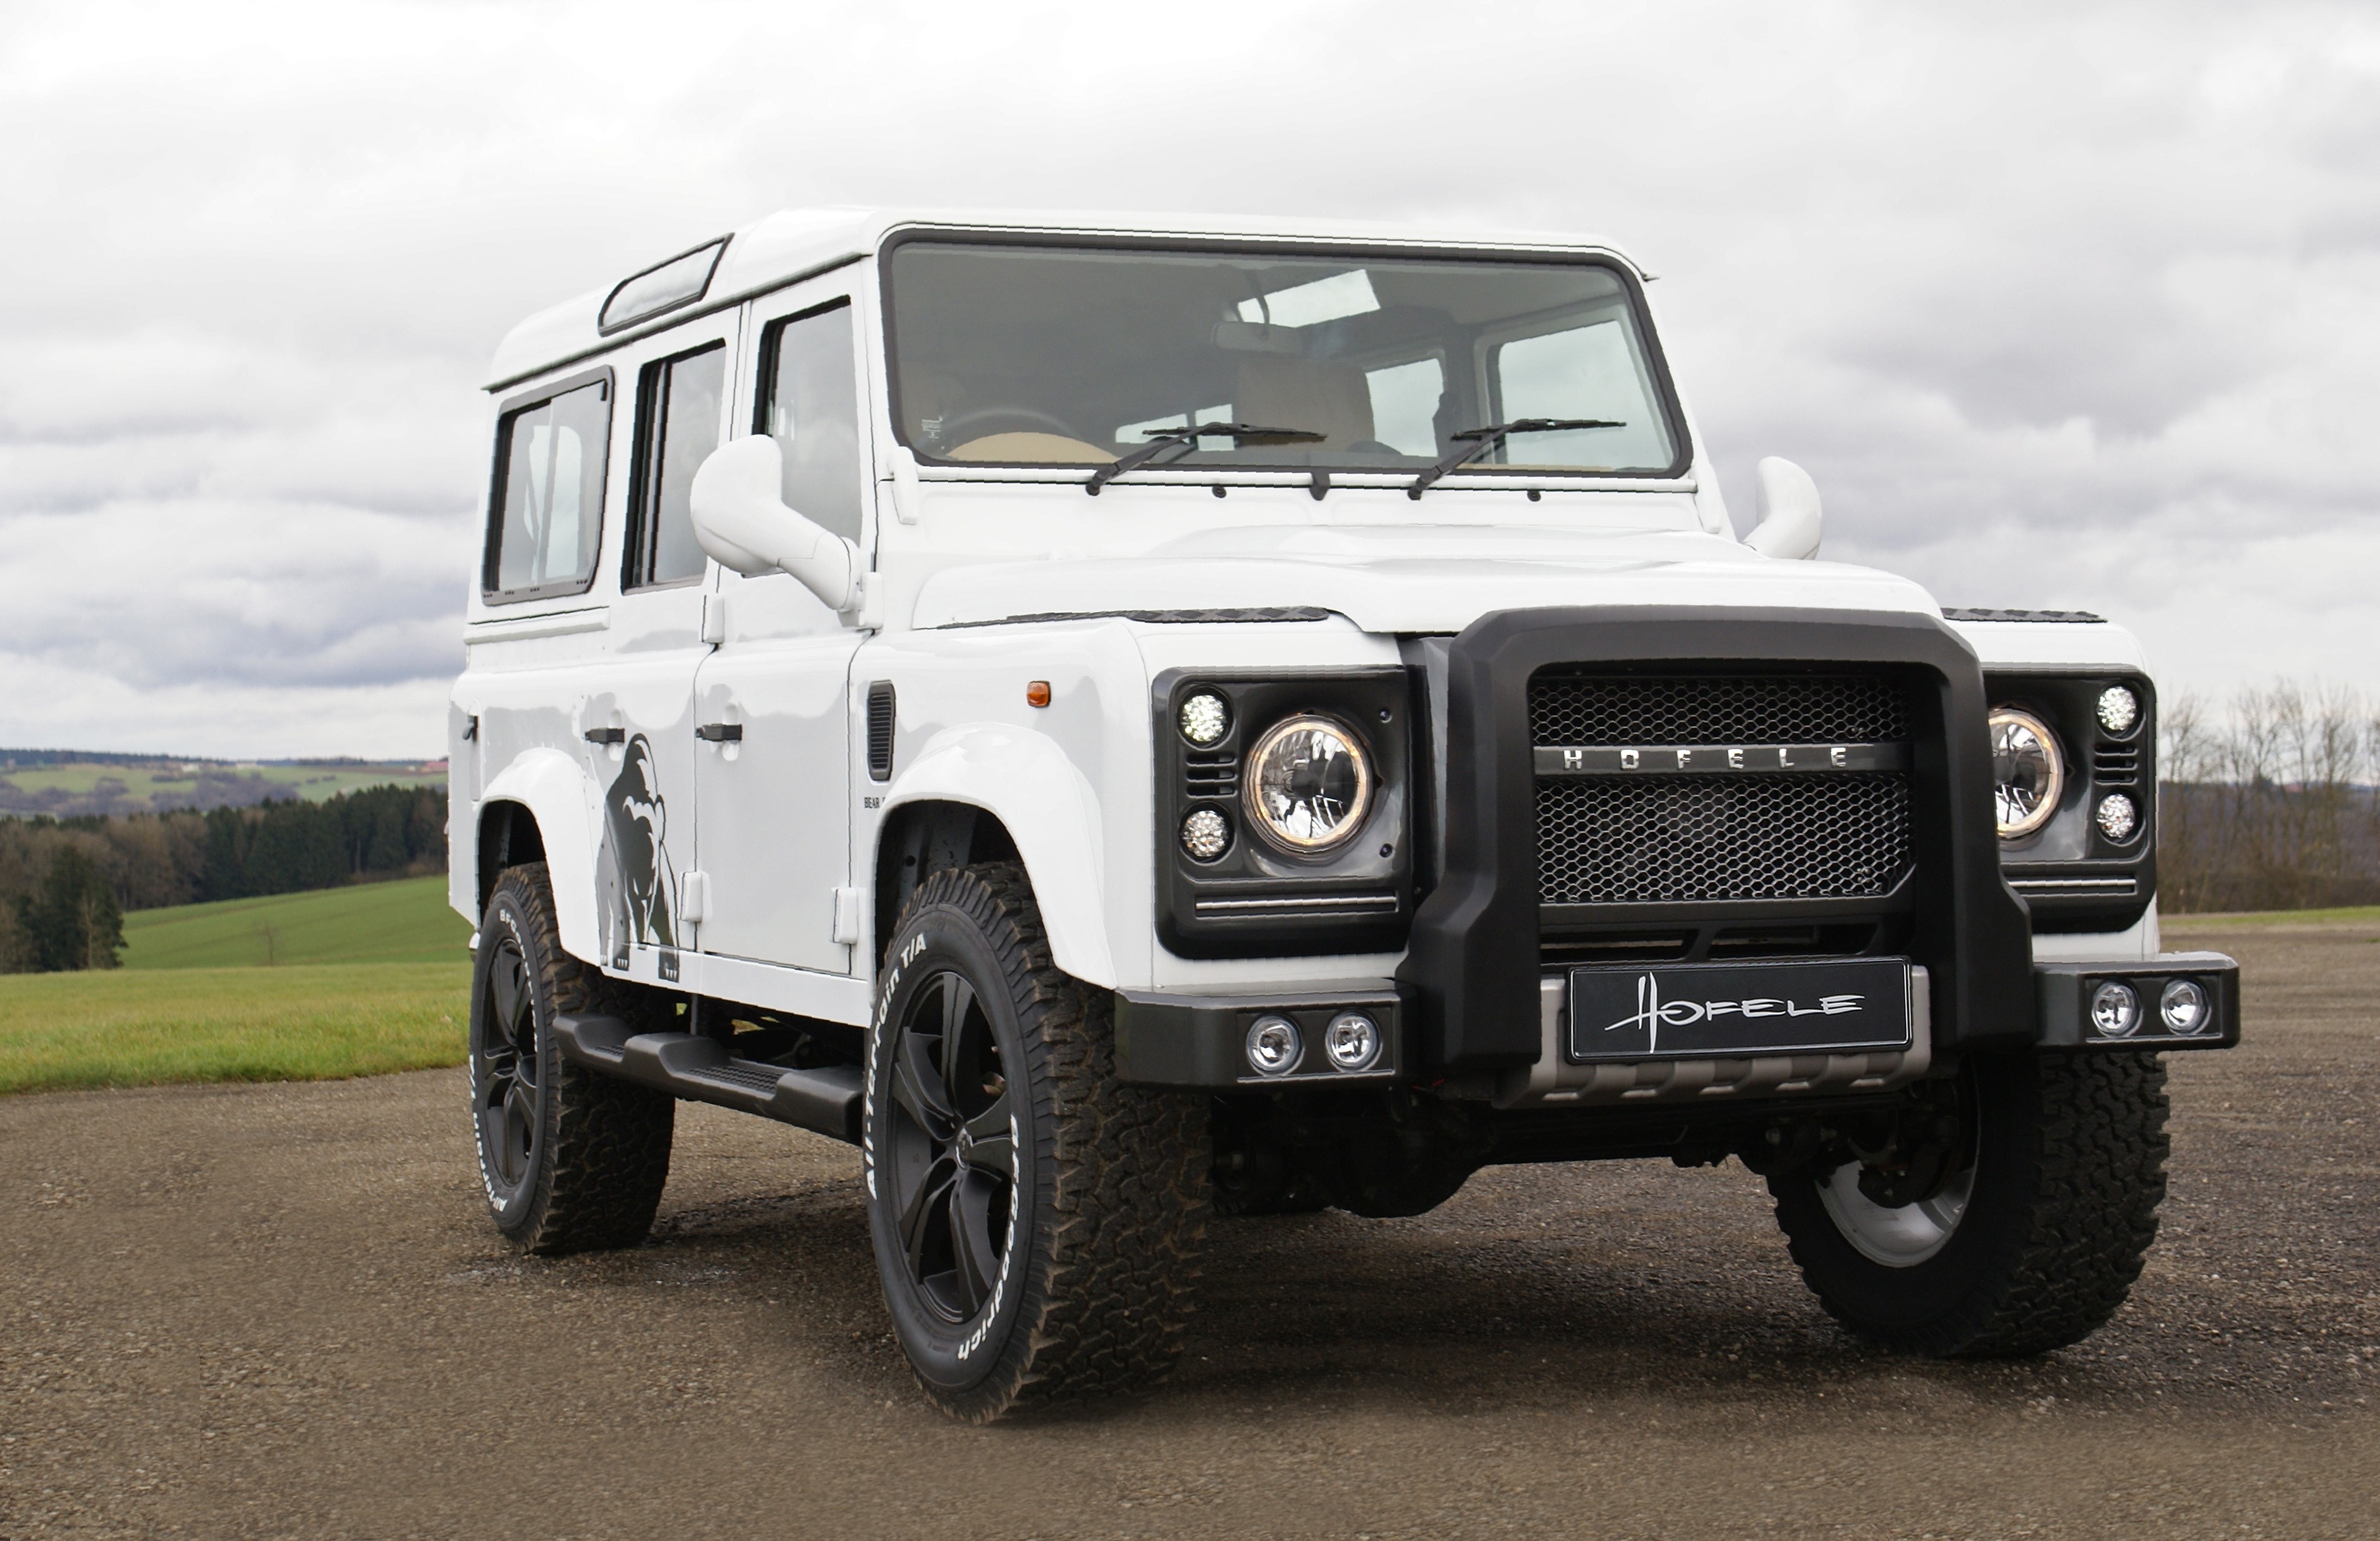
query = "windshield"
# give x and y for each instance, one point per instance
(1039, 355)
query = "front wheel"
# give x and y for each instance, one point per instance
(2029, 1235)
(1035, 1221)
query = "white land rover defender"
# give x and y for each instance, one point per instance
(1126, 720)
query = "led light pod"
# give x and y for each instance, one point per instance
(2184, 1007)
(2119, 709)
(1205, 719)
(2115, 1010)
(2119, 816)
(1274, 1046)
(1351, 1041)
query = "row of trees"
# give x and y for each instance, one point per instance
(2269, 802)
(65, 884)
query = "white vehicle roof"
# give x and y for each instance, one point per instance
(794, 243)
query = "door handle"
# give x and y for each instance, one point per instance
(606, 735)
(721, 732)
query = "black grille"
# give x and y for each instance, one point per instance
(1684, 837)
(1667, 839)
(1211, 774)
(881, 717)
(1581, 710)
(2116, 768)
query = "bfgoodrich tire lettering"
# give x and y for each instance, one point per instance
(1035, 1221)
(571, 1160)
(2068, 1171)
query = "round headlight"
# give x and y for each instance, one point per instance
(1274, 1046)
(1205, 719)
(1206, 834)
(2115, 1010)
(2119, 709)
(2028, 773)
(2118, 816)
(1353, 1041)
(1309, 784)
(2184, 1007)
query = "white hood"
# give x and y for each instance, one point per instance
(1428, 579)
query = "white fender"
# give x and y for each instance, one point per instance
(1050, 810)
(551, 785)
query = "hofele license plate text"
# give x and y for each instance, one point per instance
(1694, 1010)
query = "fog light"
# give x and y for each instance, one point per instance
(2118, 816)
(1206, 834)
(1205, 719)
(2119, 709)
(2183, 1006)
(2115, 1010)
(1353, 1041)
(1274, 1046)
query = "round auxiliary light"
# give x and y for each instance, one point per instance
(1206, 834)
(2028, 773)
(1274, 1046)
(2115, 1010)
(1205, 719)
(2119, 709)
(1309, 784)
(1353, 1041)
(2184, 1007)
(2117, 816)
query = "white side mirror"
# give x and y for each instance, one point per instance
(1789, 522)
(743, 523)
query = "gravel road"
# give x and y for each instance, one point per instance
(280, 1311)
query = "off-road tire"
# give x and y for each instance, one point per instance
(1107, 1191)
(2069, 1169)
(592, 1175)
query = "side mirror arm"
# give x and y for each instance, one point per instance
(741, 522)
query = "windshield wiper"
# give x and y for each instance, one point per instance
(1480, 441)
(1183, 437)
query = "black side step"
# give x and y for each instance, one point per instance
(700, 1070)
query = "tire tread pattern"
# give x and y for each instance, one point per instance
(608, 1140)
(2069, 1255)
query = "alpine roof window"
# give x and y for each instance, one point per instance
(679, 281)
(1029, 353)
(677, 427)
(545, 518)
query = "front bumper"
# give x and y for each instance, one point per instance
(2062, 995)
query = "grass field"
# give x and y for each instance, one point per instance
(2364, 915)
(406, 922)
(310, 1022)
(363, 980)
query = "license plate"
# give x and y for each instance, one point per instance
(1696, 1010)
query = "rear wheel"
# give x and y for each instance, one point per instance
(571, 1160)
(2027, 1233)
(1035, 1221)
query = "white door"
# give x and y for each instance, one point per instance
(774, 701)
(638, 726)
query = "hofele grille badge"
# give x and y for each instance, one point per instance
(1720, 759)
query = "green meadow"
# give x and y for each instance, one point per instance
(345, 982)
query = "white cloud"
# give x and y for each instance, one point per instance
(2074, 305)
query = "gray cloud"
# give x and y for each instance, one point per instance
(2061, 304)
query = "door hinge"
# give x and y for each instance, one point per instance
(714, 618)
(846, 915)
(694, 898)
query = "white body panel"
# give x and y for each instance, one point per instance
(781, 819)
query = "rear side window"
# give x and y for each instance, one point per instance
(809, 404)
(548, 516)
(677, 427)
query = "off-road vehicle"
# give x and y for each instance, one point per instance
(1133, 720)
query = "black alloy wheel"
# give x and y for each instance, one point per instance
(507, 1091)
(952, 1154)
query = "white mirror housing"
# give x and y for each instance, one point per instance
(742, 523)
(1789, 522)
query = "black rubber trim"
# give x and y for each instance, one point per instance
(1168, 1039)
(1473, 959)
(2048, 618)
(1158, 618)
(2064, 990)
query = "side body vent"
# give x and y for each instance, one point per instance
(880, 730)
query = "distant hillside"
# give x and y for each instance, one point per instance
(406, 922)
(75, 783)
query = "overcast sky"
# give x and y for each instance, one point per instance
(2070, 306)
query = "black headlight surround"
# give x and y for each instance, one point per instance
(1256, 899)
(2069, 873)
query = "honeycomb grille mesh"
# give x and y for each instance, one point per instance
(1682, 837)
(1686, 838)
(1581, 710)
